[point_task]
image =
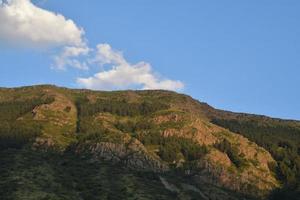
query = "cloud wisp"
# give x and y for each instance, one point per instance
(27, 25)
(123, 75)
(69, 57)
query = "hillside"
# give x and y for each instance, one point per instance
(58, 143)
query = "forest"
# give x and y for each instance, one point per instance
(14, 133)
(282, 141)
(170, 148)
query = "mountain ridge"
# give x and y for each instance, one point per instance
(156, 130)
(162, 90)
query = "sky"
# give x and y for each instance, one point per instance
(235, 55)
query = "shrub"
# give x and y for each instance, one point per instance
(232, 152)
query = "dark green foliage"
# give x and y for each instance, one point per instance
(151, 137)
(169, 153)
(34, 175)
(15, 133)
(281, 139)
(232, 152)
(119, 107)
(127, 126)
(134, 127)
(101, 135)
(11, 110)
(87, 110)
(29, 175)
(286, 193)
(173, 148)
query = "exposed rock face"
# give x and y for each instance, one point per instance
(133, 155)
(216, 167)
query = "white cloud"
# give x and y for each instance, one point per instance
(106, 55)
(68, 57)
(23, 23)
(123, 75)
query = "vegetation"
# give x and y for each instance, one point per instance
(170, 148)
(110, 117)
(15, 133)
(11, 110)
(31, 175)
(173, 148)
(232, 152)
(281, 139)
(118, 107)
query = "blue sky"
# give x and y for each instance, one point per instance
(235, 55)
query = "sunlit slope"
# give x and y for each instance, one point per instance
(148, 131)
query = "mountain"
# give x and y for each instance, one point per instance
(59, 143)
